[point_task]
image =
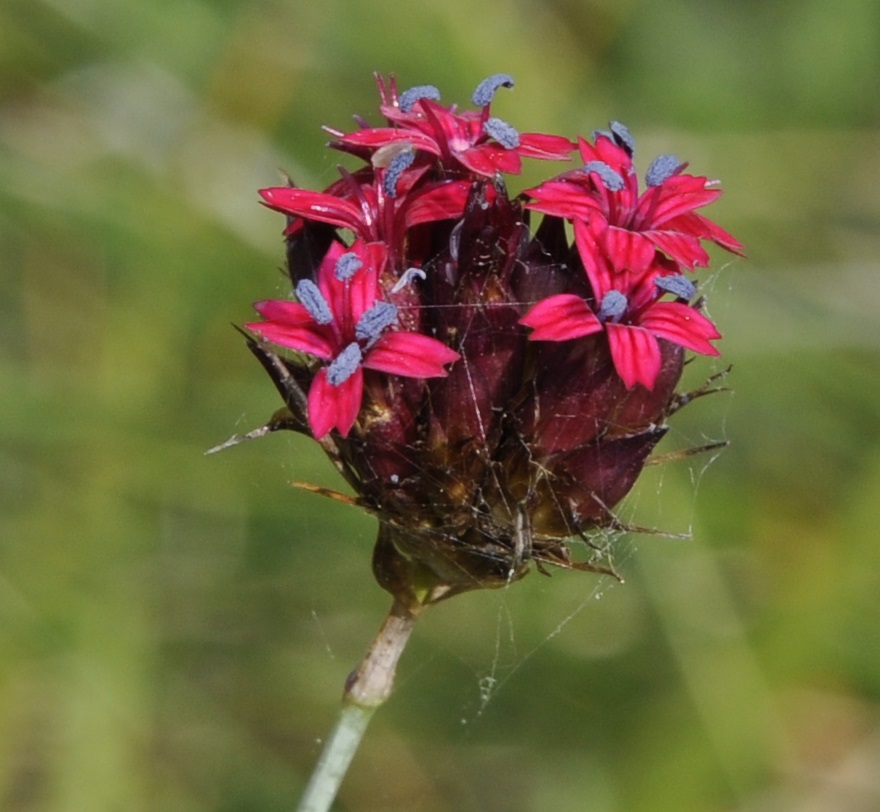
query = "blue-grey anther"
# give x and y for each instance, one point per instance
(613, 306)
(486, 90)
(344, 365)
(408, 275)
(313, 301)
(622, 137)
(678, 285)
(371, 324)
(347, 266)
(612, 180)
(399, 164)
(455, 240)
(502, 132)
(662, 168)
(408, 98)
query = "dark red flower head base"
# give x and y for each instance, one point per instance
(488, 390)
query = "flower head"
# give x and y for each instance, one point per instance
(488, 390)
(630, 307)
(633, 248)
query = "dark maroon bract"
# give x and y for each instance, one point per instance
(489, 386)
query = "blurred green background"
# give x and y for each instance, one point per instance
(175, 629)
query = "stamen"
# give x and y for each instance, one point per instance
(344, 365)
(613, 306)
(407, 277)
(622, 137)
(347, 266)
(398, 165)
(678, 285)
(408, 98)
(502, 132)
(612, 180)
(662, 168)
(371, 324)
(486, 90)
(311, 298)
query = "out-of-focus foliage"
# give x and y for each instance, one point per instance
(175, 629)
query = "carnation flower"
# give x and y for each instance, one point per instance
(341, 322)
(489, 387)
(489, 390)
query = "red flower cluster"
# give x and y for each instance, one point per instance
(489, 391)
(633, 248)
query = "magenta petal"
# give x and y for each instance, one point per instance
(334, 406)
(627, 250)
(289, 324)
(593, 258)
(320, 206)
(705, 229)
(560, 318)
(381, 136)
(636, 354)
(303, 339)
(678, 195)
(410, 354)
(682, 325)
(487, 159)
(680, 247)
(551, 147)
(350, 298)
(562, 199)
(606, 151)
(282, 310)
(365, 285)
(442, 202)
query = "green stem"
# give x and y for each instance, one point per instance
(368, 686)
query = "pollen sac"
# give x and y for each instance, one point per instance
(379, 317)
(613, 306)
(622, 137)
(678, 285)
(486, 90)
(612, 180)
(398, 165)
(344, 365)
(662, 168)
(502, 132)
(406, 278)
(347, 266)
(409, 97)
(313, 301)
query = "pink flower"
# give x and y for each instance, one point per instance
(372, 208)
(474, 140)
(341, 321)
(630, 310)
(630, 227)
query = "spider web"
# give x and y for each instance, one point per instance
(618, 544)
